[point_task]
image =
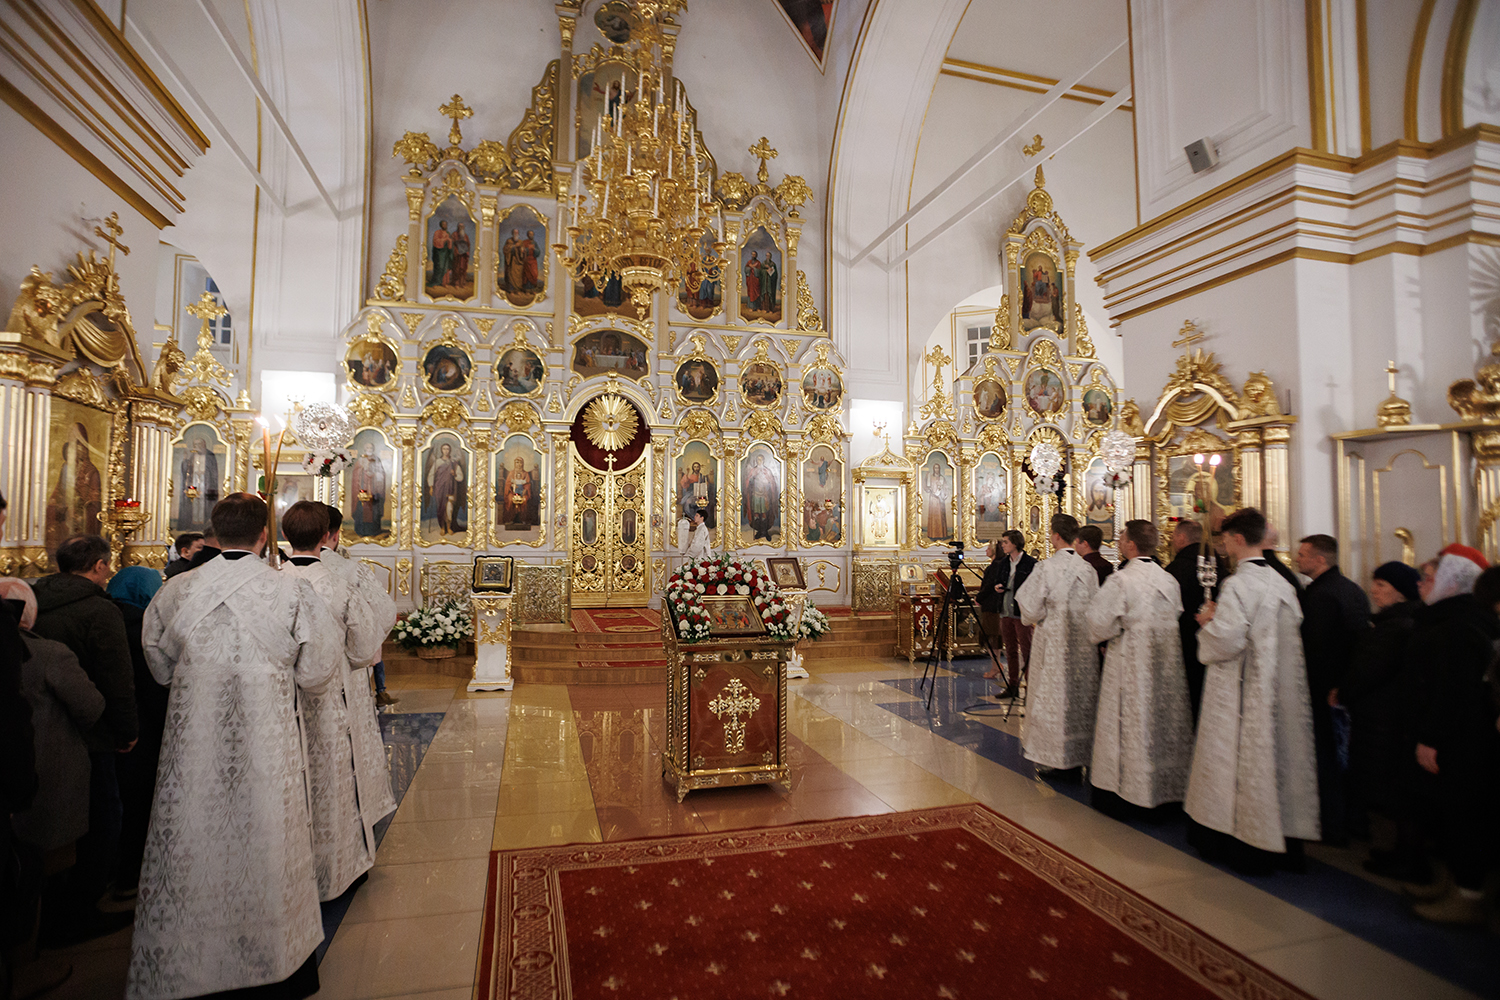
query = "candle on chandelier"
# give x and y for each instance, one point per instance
(655, 191)
(629, 149)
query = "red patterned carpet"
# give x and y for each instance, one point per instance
(955, 902)
(615, 620)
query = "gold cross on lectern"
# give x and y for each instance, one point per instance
(113, 237)
(456, 110)
(763, 150)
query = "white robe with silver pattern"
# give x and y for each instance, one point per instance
(1062, 685)
(227, 893)
(1143, 740)
(369, 747)
(1255, 775)
(350, 793)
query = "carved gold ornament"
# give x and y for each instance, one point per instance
(610, 423)
(729, 705)
(392, 286)
(792, 193)
(807, 311)
(418, 150)
(733, 190)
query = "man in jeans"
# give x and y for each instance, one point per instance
(73, 609)
(1016, 566)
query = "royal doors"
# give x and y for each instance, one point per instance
(610, 529)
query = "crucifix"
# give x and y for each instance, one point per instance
(456, 110)
(113, 237)
(763, 150)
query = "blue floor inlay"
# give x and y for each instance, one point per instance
(1466, 956)
(406, 736)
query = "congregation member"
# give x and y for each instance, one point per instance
(132, 589)
(1187, 545)
(987, 600)
(208, 550)
(18, 780)
(1376, 690)
(1015, 633)
(1143, 736)
(1062, 692)
(380, 599)
(1252, 792)
(228, 898)
(1456, 740)
(1335, 612)
(348, 777)
(73, 609)
(63, 705)
(1088, 543)
(186, 545)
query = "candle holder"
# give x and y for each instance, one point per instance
(120, 521)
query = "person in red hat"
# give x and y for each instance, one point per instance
(1452, 646)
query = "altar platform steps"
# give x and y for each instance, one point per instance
(557, 654)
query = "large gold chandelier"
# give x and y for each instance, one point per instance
(648, 199)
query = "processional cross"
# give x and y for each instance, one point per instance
(735, 700)
(456, 110)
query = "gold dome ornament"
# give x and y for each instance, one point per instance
(610, 423)
(1395, 411)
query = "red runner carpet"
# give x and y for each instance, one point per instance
(955, 902)
(615, 620)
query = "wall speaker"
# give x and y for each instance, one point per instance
(1202, 155)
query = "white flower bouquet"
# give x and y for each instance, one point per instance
(446, 623)
(815, 623)
(724, 575)
(326, 463)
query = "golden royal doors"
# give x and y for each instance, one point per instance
(609, 473)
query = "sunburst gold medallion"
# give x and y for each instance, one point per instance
(610, 423)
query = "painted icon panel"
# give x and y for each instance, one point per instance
(760, 496)
(368, 482)
(760, 284)
(822, 497)
(936, 481)
(451, 251)
(1041, 293)
(605, 351)
(520, 371)
(445, 490)
(521, 264)
(697, 477)
(77, 456)
(199, 460)
(518, 491)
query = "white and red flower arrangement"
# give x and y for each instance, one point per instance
(723, 576)
(326, 463)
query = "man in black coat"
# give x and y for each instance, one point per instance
(988, 600)
(209, 550)
(73, 609)
(1335, 613)
(1187, 539)
(1273, 559)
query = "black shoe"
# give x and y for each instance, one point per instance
(93, 924)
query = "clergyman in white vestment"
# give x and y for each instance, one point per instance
(1063, 679)
(1143, 737)
(351, 791)
(1254, 774)
(697, 545)
(228, 898)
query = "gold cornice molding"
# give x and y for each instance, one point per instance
(1455, 62)
(1029, 82)
(1299, 157)
(131, 60)
(85, 157)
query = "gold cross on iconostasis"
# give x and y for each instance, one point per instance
(113, 236)
(205, 367)
(763, 150)
(207, 309)
(1188, 335)
(458, 111)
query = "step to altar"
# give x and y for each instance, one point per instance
(559, 654)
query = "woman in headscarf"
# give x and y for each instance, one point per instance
(1451, 646)
(132, 589)
(1375, 690)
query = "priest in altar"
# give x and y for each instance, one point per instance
(697, 544)
(1063, 684)
(1143, 739)
(348, 777)
(1253, 790)
(228, 899)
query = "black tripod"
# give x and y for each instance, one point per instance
(956, 595)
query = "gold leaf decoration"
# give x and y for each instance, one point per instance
(807, 312)
(417, 149)
(793, 193)
(444, 412)
(529, 147)
(369, 410)
(490, 160)
(610, 422)
(1083, 343)
(392, 286)
(733, 190)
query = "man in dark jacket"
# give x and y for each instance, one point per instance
(1187, 539)
(1015, 566)
(1273, 559)
(187, 545)
(1089, 540)
(988, 600)
(1335, 613)
(72, 609)
(209, 550)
